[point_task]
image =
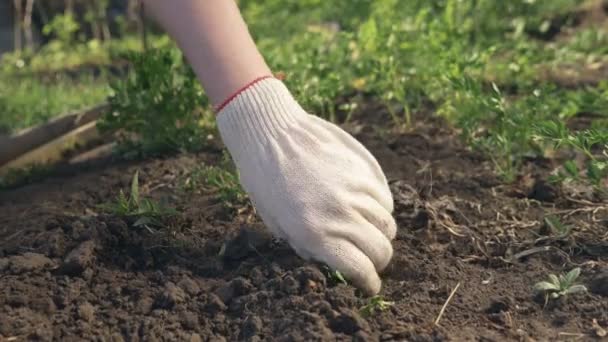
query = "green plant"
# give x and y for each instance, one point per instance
(586, 142)
(27, 101)
(63, 27)
(334, 276)
(144, 211)
(17, 177)
(375, 304)
(563, 285)
(558, 229)
(159, 107)
(217, 179)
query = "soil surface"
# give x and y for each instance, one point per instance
(70, 272)
(211, 273)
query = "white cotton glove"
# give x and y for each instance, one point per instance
(312, 183)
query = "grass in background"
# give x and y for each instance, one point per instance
(28, 101)
(479, 64)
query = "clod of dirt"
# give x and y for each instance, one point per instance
(86, 312)
(543, 191)
(189, 320)
(3, 264)
(348, 322)
(144, 305)
(214, 304)
(44, 305)
(250, 327)
(29, 262)
(311, 279)
(79, 259)
(247, 241)
(236, 287)
(171, 296)
(599, 284)
(190, 286)
(497, 306)
(196, 338)
(290, 285)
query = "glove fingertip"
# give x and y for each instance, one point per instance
(353, 263)
(372, 285)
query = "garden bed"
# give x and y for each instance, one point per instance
(69, 271)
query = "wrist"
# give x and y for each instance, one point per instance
(229, 99)
(257, 112)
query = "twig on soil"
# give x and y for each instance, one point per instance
(593, 209)
(445, 305)
(531, 251)
(535, 250)
(437, 210)
(575, 335)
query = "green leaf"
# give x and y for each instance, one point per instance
(135, 188)
(554, 279)
(571, 168)
(556, 226)
(572, 275)
(576, 289)
(338, 275)
(544, 286)
(145, 221)
(596, 171)
(368, 33)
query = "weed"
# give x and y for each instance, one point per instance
(563, 285)
(334, 276)
(586, 142)
(558, 229)
(217, 179)
(145, 211)
(374, 305)
(17, 177)
(159, 106)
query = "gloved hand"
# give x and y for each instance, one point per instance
(312, 183)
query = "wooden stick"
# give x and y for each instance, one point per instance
(445, 305)
(52, 151)
(14, 146)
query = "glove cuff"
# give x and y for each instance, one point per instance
(257, 113)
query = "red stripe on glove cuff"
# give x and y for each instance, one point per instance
(238, 92)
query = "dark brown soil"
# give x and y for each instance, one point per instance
(69, 272)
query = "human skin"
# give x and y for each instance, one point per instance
(215, 40)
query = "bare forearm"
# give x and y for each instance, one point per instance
(215, 40)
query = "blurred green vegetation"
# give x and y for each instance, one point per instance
(27, 101)
(481, 64)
